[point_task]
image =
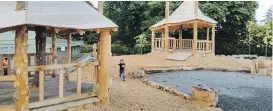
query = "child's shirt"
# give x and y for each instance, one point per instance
(121, 66)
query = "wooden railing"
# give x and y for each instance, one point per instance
(61, 98)
(186, 43)
(159, 43)
(204, 45)
(31, 59)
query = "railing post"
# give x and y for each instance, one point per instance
(61, 84)
(79, 80)
(1, 65)
(8, 57)
(153, 37)
(207, 43)
(41, 84)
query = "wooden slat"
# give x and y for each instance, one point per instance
(95, 79)
(7, 78)
(8, 57)
(29, 60)
(61, 84)
(7, 108)
(79, 70)
(59, 66)
(1, 65)
(60, 100)
(41, 85)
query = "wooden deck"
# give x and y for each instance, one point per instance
(51, 90)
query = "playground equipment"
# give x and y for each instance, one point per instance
(187, 15)
(57, 18)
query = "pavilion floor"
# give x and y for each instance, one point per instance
(51, 90)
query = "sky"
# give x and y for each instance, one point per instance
(264, 5)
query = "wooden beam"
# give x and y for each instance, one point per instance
(213, 39)
(59, 100)
(68, 61)
(7, 108)
(194, 47)
(54, 52)
(41, 85)
(7, 78)
(100, 6)
(104, 59)
(153, 37)
(81, 32)
(195, 9)
(166, 39)
(167, 11)
(21, 66)
(59, 66)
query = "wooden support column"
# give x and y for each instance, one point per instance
(104, 59)
(21, 69)
(166, 39)
(213, 40)
(1, 65)
(153, 43)
(68, 61)
(180, 39)
(207, 43)
(194, 47)
(53, 50)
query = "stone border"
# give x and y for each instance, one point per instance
(166, 88)
(199, 68)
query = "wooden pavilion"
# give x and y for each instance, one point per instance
(187, 15)
(56, 18)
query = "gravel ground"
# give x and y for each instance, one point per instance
(237, 91)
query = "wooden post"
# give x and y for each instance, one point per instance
(180, 39)
(1, 65)
(8, 57)
(194, 47)
(68, 61)
(104, 56)
(207, 43)
(167, 10)
(166, 39)
(21, 69)
(53, 50)
(153, 38)
(61, 84)
(41, 84)
(162, 43)
(94, 46)
(213, 40)
(79, 82)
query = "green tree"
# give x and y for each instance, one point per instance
(141, 42)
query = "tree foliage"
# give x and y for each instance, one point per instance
(141, 42)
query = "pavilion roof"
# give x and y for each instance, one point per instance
(184, 13)
(61, 14)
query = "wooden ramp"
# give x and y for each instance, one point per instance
(179, 55)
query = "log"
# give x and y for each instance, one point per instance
(21, 69)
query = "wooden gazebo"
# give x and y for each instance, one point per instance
(56, 18)
(187, 15)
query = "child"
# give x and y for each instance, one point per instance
(121, 69)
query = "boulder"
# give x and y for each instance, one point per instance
(139, 74)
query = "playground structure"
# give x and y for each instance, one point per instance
(187, 15)
(57, 18)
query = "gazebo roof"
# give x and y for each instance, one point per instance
(185, 13)
(72, 15)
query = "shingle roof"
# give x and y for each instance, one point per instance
(62, 14)
(185, 12)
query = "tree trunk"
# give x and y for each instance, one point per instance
(40, 52)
